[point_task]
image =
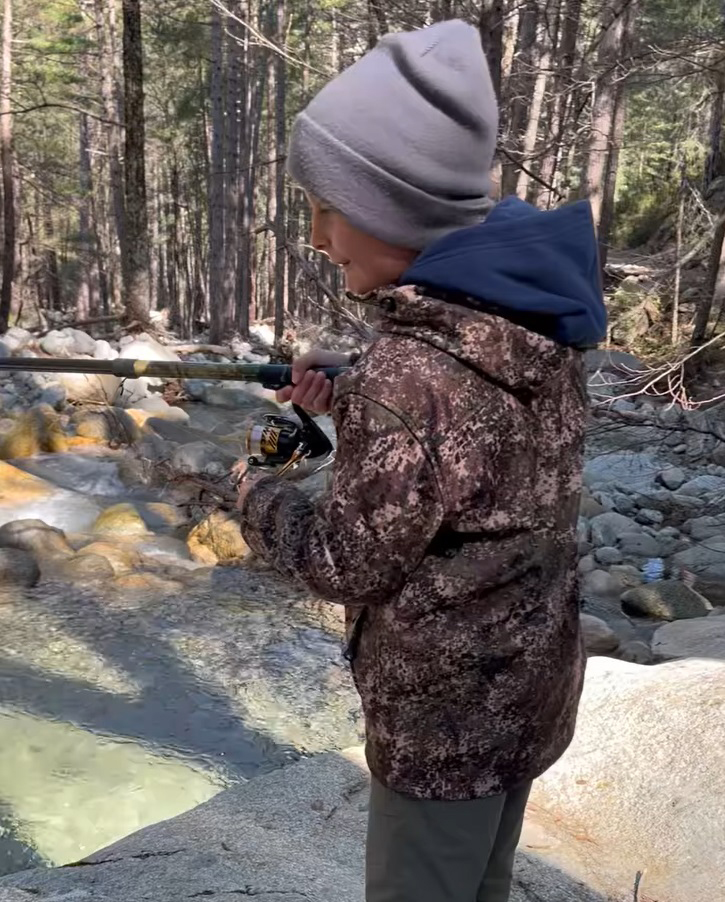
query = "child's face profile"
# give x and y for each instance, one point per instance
(368, 262)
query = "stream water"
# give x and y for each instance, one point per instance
(122, 708)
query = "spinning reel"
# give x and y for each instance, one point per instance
(282, 442)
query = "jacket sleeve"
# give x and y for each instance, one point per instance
(360, 542)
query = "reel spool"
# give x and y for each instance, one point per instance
(281, 442)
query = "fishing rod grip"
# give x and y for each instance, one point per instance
(276, 376)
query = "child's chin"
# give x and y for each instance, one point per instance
(356, 285)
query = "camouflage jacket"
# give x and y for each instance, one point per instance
(448, 534)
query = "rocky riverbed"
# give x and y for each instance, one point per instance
(148, 661)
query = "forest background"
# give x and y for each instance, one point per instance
(142, 151)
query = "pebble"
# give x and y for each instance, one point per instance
(608, 556)
(673, 477)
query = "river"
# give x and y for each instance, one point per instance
(119, 708)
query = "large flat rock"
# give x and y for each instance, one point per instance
(642, 787)
(296, 835)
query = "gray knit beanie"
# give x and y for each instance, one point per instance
(402, 142)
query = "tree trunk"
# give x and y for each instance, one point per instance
(490, 26)
(521, 85)
(542, 59)
(234, 109)
(608, 113)
(714, 166)
(135, 250)
(216, 180)
(714, 289)
(6, 163)
(87, 298)
(105, 21)
(562, 102)
(280, 228)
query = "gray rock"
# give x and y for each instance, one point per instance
(669, 532)
(650, 517)
(104, 351)
(672, 478)
(295, 834)
(240, 399)
(702, 486)
(606, 528)
(17, 339)
(621, 405)
(82, 342)
(586, 564)
(203, 457)
(608, 556)
(679, 449)
(5, 350)
(704, 638)
(635, 652)
(619, 362)
(53, 394)
(600, 583)
(704, 528)
(665, 600)
(34, 536)
(589, 506)
(643, 780)
(17, 568)
(624, 504)
(628, 576)
(707, 562)
(58, 343)
(633, 544)
(599, 638)
(624, 469)
(161, 409)
(196, 388)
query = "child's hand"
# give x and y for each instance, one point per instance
(312, 391)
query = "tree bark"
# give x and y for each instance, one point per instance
(714, 288)
(608, 115)
(87, 298)
(234, 109)
(105, 21)
(280, 228)
(6, 163)
(491, 27)
(563, 96)
(216, 180)
(135, 250)
(519, 94)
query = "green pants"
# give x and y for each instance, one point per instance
(423, 851)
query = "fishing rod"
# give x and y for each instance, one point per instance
(277, 442)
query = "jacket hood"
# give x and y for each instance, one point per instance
(539, 269)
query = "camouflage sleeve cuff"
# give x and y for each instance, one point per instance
(268, 505)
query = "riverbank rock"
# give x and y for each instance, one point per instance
(599, 639)
(666, 600)
(17, 568)
(217, 538)
(17, 486)
(39, 429)
(120, 520)
(36, 537)
(80, 569)
(641, 788)
(702, 638)
(107, 426)
(295, 834)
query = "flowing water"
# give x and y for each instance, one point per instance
(120, 707)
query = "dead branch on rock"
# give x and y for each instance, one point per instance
(665, 381)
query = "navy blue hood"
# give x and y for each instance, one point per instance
(540, 269)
